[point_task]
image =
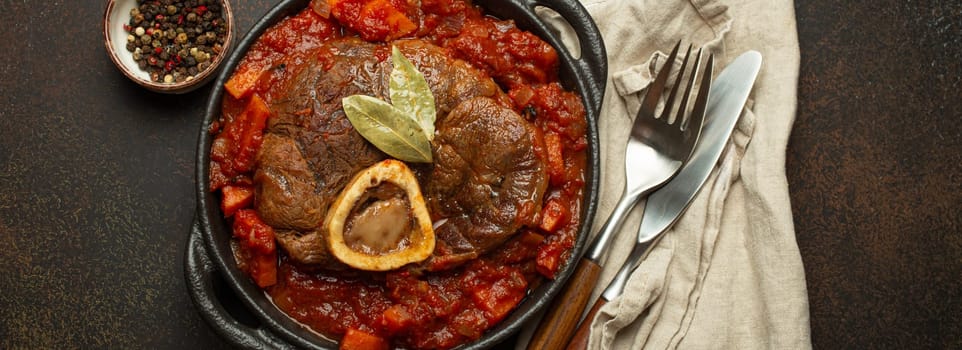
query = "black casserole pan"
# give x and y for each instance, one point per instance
(243, 314)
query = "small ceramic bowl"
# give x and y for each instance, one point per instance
(115, 39)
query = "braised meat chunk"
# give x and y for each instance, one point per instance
(311, 150)
(488, 178)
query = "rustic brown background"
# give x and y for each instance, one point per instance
(875, 172)
(96, 181)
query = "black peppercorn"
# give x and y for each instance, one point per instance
(174, 40)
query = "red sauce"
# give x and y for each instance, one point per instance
(403, 308)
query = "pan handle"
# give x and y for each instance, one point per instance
(201, 276)
(594, 59)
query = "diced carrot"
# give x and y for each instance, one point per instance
(553, 215)
(345, 9)
(398, 23)
(258, 114)
(396, 318)
(217, 177)
(242, 82)
(356, 339)
(263, 269)
(530, 239)
(321, 7)
(500, 297)
(521, 95)
(253, 232)
(234, 198)
(244, 223)
(252, 120)
(556, 163)
(524, 247)
(373, 20)
(256, 240)
(549, 260)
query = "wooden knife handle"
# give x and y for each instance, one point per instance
(558, 325)
(580, 340)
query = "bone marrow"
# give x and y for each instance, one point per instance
(380, 222)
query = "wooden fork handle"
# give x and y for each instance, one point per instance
(580, 340)
(558, 325)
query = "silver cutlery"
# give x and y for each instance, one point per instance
(655, 151)
(663, 208)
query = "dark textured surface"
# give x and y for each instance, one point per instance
(875, 172)
(96, 189)
(96, 181)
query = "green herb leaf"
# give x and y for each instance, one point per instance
(403, 128)
(411, 94)
(388, 128)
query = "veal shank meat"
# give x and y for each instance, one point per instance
(488, 178)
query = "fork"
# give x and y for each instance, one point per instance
(656, 150)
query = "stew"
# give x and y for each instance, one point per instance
(283, 151)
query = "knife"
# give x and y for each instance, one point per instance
(664, 206)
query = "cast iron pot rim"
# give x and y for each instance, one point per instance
(586, 75)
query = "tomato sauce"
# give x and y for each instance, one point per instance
(405, 308)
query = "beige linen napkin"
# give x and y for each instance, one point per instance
(728, 275)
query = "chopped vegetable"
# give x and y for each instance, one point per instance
(263, 269)
(553, 215)
(396, 319)
(373, 20)
(549, 259)
(356, 339)
(499, 298)
(556, 163)
(234, 198)
(241, 84)
(233, 150)
(254, 119)
(256, 240)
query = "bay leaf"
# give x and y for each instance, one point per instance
(411, 94)
(388, 128)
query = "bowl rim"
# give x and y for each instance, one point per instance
(587, 76)
(134, 73)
